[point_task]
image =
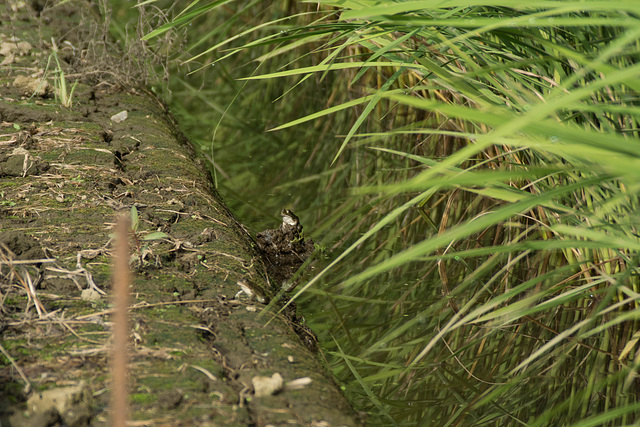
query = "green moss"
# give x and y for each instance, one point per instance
(142, 398)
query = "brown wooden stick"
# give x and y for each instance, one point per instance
(119, 397)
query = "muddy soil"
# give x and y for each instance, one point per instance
(69, 165)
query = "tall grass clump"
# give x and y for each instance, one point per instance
(478, 206)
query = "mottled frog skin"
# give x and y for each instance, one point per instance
(284, 248)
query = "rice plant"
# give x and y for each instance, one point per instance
(478, 207)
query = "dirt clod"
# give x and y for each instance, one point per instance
(22, 246)
(32, 86)
(70, 406)
(21, 164)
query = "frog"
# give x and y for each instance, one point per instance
(290, 222)
(285, 248)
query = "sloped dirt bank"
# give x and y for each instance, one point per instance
(198, 354)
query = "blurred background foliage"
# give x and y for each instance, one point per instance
(469, 170)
